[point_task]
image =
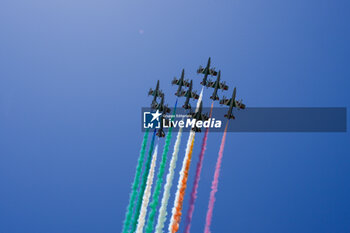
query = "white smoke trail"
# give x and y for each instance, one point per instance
(188, 147)
(147, 194)
(167, 187)
(199, 99)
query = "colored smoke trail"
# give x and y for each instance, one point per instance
(193, 196)
(176, 218)
(143, 185)
(135, 185)
(146, 196)
(199, 99)
(168, 184)
(159, 182)
(214, 185)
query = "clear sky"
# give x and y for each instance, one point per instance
(75, 74)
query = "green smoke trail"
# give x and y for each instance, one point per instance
(159, 182)
(135, 185)
(143, 185)
(147, 195)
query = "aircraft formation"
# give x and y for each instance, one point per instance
(189, 94)
(144, 205)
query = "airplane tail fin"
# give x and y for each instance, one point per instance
(214, 97)
(231, 116)
(223, 100)
(186, 106)
(160, 133)
(196, 129)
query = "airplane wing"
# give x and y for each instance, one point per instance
(200, 70)
(155, 93)
(159, 93)
(186, 83)
(213, 72)
(226, 102)
(182, 93)
(194, 95)
(175, 82)
(210, 83)
(239, 105)
(223, 86)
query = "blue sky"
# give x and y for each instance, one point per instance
(75, 74)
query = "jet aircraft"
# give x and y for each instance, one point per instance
(199, 116)
(217, 85)
(180, 82)
(189, 94)
(232, 103)
(155, 93)
(160, 133)
(206, 71)
(161, 106)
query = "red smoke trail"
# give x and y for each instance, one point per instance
(214, 185)
(197, 178)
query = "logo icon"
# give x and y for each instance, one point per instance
(151, 120)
